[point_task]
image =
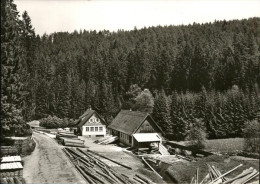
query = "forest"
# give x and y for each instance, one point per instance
(180, 74)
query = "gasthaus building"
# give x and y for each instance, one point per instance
(90, 124)
(135, 129)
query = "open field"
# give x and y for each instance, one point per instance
(222, 145)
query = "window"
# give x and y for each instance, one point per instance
(87, 129)
(96, 129)
(100, 129)
(92, 129)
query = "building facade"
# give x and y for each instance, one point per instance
(90, 124)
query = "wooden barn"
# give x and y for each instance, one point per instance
(91, 124)
(135, 129)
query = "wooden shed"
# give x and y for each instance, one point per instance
(127, 123)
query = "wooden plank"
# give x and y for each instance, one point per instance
(85, 175)
(244, 173)
(151, 168)
(226, 173)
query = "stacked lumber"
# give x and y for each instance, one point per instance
(96, 171)
(69, 139)
(214, 176)
(68, 135)
(108, 140)
(73, 142)
(102, 139)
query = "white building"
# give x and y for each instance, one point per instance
(91, 124)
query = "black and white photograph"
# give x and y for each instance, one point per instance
(130, 92)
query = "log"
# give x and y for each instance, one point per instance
(225, 174)
(85, 176)
(74, 145)
(143, 178)
(151, 168)
(192, 180)
(111, 175)
(84, 162)
(10, 180)
(139, 181)
(107, 177)
(244, 173)
(17, 181)
(73, 140)
(207, 177)
(129, 180)
(197, 176)
(111, 160)
(4, 181)
(67, 134)
(92, 175)
(67, 153)
(245, 178)
(250, 178)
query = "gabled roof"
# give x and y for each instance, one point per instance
(128, 122)
(85, 117)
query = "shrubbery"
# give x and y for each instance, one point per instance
(197, 135)
(55, 122)
(251, 135)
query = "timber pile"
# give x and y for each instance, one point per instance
(66, 135)
(69, 139)
(95, 171)
(214, 176)
(102, 139)
(11, 180)
(108, 140)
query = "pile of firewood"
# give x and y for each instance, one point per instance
(95, 171)
(214, 176)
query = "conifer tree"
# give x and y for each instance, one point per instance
(161, 113)
(178, 124)
(11, 60)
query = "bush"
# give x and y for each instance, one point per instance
(55, 122)
(251, 135)
(197, 135)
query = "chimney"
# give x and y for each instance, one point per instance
(130, 109)
(90, 107)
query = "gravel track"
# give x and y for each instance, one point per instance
(49, 164)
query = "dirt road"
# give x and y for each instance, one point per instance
(49, 164)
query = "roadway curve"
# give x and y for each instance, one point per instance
(49, 164)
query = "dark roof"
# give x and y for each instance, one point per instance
(128, 122)
(85, 117)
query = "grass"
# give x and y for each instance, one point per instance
(183, 172)
(222, 145)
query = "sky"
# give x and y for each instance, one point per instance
(49, 16)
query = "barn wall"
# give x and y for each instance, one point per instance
(146, 128)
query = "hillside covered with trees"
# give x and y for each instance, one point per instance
(209, 72)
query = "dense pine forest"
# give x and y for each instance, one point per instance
(180, 74)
